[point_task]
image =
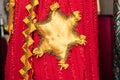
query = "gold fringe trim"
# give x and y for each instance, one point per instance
(9, 26)
(28, 40)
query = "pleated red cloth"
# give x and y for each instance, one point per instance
(106, 36)
(82, 60)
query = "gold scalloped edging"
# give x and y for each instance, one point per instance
(9, 26)
(28, 40)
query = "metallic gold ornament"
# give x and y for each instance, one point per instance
(58, 34)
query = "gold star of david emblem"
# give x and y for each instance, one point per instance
(58, 34)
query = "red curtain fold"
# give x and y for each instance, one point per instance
(82, 60)
(105, 46)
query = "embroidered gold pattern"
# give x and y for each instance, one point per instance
(28, 40)
(58, 34)
(9, 26)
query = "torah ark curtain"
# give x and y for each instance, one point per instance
(82, 60)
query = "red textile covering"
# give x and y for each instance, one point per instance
(82, 60)
(105, 46)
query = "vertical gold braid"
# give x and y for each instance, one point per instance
(28, 40)
(9, 26)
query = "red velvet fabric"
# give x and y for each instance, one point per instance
(105, 46)
(82, 60)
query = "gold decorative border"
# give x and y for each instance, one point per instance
(29, 21)
(9, 27)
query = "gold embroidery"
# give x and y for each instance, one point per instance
(9, 26)
(58, 34)
(82, 40)
(28, 40)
